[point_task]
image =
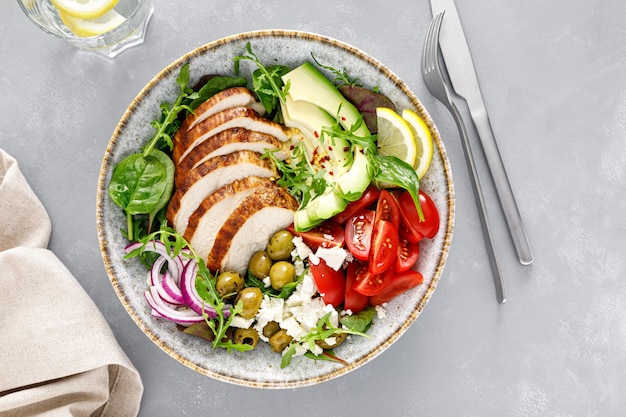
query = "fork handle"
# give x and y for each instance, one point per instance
(480, 201)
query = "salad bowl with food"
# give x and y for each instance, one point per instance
(275, 209)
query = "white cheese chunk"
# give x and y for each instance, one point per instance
(334, 257)
(301, 250)
(241, 323)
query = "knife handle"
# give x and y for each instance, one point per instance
(503, 187)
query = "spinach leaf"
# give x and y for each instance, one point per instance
(214, 85)
(169, 185)
(141, 185)
(391, 169)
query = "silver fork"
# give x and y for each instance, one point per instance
(437, 84)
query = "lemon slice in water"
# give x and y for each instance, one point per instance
(93, 27)
(84, 9)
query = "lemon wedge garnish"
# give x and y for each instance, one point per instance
(84, 9)
(395, 136)
(93, 27)
(423, 141)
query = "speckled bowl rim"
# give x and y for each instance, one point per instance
(154, 330)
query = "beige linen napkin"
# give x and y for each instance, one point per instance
(58, 356)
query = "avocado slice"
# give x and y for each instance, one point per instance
(306, 83)
(321, 208)
(330, 154)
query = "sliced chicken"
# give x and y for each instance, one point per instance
(226, 99)
(228, 141)
(206, 221)
(249, 228)
(208, 177)
(243, 117)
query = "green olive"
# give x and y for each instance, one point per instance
(280, 246)
(339, 339)
(229, 283)
(270, 328)
(260, 264)
(246, 337)
(280, 340)
(281, 274)
(251, 298)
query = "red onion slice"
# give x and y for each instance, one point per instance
(182, 317)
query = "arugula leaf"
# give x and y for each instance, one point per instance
(299, 177)
(267, 81)
(341, 77)
(169, 122)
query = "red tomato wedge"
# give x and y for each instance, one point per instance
(367, 199)
(396, 285)
(384, 248)
(354, 300)
(408, 253)
(387, 209)
(330, 283)
(327, 235)
(411, 227)
(358, 234)
(370, 284)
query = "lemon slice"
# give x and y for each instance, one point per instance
(395, 137)
(84, 9)
(93, 27)
(423, 141)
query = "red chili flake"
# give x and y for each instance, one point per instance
(330, 148)
(346, 148)
(343, 119)
(317, 135)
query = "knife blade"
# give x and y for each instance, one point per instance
(460, 66)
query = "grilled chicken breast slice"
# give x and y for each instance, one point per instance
(249, 228)
(243, 117)
(205, 223)
(228, 141)
(208, 177)
(226, 99)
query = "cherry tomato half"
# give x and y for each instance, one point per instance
(387, 209)
(368, 198)
(396, 285)
(358, 234)
(327, 235)
(408, 253)
(411, 227)
(354, 300)
(370, 284)
(384, 248)
(330, 283)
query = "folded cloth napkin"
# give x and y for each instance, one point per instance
(58, 356)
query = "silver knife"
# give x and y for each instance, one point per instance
(461, 70)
